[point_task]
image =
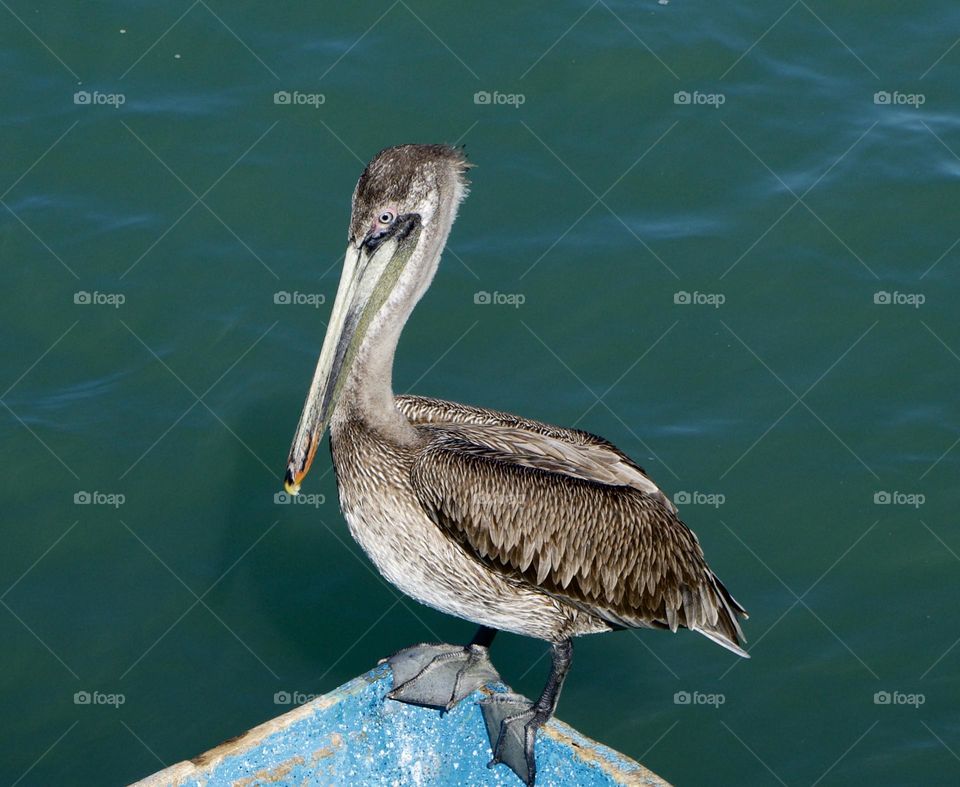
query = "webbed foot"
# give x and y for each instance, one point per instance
(439, 675)
(512, 722)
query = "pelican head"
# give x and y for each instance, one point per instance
(403, 208)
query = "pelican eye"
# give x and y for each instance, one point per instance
(383, 227)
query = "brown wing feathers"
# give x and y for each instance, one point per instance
(611, 549)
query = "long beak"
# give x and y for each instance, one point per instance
(328, 377)
(367, 279)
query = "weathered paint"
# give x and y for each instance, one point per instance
(353, 736)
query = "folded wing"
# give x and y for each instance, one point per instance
(568, 512)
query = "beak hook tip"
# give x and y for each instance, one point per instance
(290, 484)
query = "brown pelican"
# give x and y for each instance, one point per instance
(512, 524)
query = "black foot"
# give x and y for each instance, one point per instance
(512, 723)
(439, 676)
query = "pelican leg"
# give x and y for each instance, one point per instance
(484, 636)
(512, 720)
(440, 675)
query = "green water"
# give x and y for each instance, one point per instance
(598, 199)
